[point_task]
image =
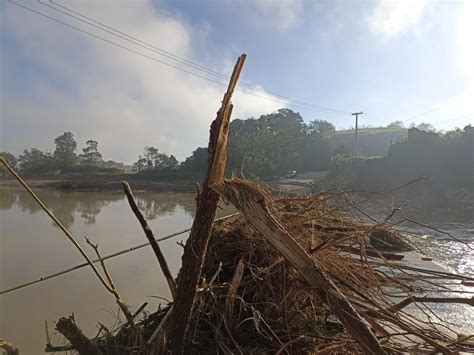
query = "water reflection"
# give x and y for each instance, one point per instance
(30, 248)
(7, 199)
(67, 206)
(166, 205)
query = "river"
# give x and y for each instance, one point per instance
(31, 247)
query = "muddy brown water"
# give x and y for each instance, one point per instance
(31, 246)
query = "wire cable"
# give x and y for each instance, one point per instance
(109, 256)
(178, 58)
(318, 110)
(453, 119)
(437, 107)
(113, 43)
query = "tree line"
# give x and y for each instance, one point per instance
(64, 159)
(262, 147)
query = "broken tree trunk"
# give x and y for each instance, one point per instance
(83, 345)
(254, 203)
(196, 245)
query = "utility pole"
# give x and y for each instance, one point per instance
(356, 127)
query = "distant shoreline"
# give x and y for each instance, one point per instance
(102, 185)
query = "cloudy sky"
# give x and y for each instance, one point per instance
(409, 60)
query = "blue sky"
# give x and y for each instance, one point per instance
(392, 59)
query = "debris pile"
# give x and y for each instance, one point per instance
(251, 299)
(254, 301)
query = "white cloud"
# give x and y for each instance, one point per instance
(280, 15)
(106, 93)
(394, 17)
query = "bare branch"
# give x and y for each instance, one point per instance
(151, 238)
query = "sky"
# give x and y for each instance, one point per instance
(408, 60)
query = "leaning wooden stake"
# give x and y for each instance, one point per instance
(151, 238)
(196, 246)
(254, 202)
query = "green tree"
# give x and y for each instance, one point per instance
(423, 126)
(267, 146)
(154, 160)
(10, 159)
(197, 162)
(242, 144)
(320, 127)
(151, 155)
(428, 127)
(65, 153)
(283, 135)
(342, 155)
(167, 161)
(34, 161)
(141, 163)
(396, 124)
(91, 156)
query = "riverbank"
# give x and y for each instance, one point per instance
(91, 185)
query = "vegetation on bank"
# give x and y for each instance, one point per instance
(446, 161)
(265, 148)
(258, 148)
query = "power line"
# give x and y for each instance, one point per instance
(180, 59)
(454, 119)
(162, 62)
(115, 44)
(124, 36)
(436, 108)
(106, 257)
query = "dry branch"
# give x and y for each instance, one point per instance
(409, 300)
(376, 254)
(9, 348)
(196, 245)
(160, 326)
(234, 284)
(151, 238)
(112, 288)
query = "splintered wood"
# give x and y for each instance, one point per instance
(196, 245)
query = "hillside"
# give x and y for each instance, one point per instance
(371, 141)
(445, 161)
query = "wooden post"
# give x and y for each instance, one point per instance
(356, 129)
(196, 245)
